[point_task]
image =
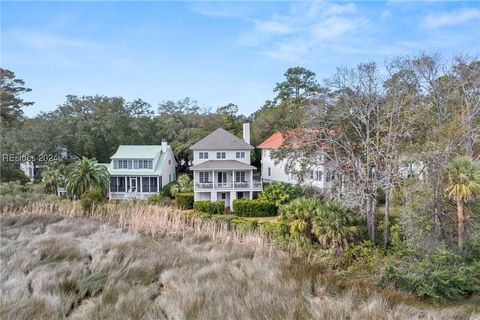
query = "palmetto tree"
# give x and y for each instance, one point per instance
(53, 177)
(463, 183)
(86, 174)
(184, 184)
(335, 226)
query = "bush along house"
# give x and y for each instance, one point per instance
(221, 167)
(138, 172)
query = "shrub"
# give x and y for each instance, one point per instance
(184, 184)
(159, 200)
(327, 223)
(167, 190)
(438, 275)
(206, 206)
(280, 193)
(253, 208)
(91, 197)
(244, 225)
(184, 200)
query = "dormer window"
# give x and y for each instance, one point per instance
(203, 155)
(221, 155)
(122, 164)
(240, 155)
(144, 164)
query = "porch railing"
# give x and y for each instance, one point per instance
(257, 185)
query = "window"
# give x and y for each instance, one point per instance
(144, 164)
(318, 175)
(121, 184)
(269, 171)
(221, 155)
(113, 184)
(240, 155)
(223, 196)
(240, 176)
(203, 155)
(169, 161)
(240, 195)
(153, 184)
(203, 177)
(122, 164)
(311, 175)
(145, 184)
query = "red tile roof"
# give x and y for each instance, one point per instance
(272, 142)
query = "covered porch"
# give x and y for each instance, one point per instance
(134, 187)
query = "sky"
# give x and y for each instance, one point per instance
(215, 52)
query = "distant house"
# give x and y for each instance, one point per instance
(318, 176)
(221, 167)
(140, 171)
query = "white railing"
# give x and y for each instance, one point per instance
(256, 185)
(204, 185)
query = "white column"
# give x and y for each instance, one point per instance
(213, 180)
(233, 179)
(158, 184)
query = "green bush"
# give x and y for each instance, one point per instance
(184, 200)
(244, 225)
(280, 193)
(211, 207)
(158, 200)
(90, 198)
(313, 220)
(167, 190)
(253, 208)
(438, 275)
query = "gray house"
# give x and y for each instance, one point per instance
(221, 167)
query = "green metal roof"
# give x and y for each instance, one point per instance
(137, 152)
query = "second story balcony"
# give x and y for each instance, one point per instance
(247, 185)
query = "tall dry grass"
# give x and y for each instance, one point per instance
(151, 220)
(146, 262)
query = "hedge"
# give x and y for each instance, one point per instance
(184, 200)
(206, 206)
(253, 208)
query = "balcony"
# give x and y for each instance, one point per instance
(255, 185)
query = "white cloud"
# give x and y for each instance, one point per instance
(306, 27)
(437, 20)
(273, 27)
(335, 27)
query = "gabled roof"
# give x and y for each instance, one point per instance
(223, 165)
(137, 152)
(221, 139)
(272, 142)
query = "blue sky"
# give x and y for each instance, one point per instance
(214, 52)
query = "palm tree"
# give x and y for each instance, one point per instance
(463, 176)
(335, 226)
(86, 174)
(299, 215)
(184, 184)
(53, 177)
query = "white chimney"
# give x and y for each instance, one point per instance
(246, 132)
(164, 146)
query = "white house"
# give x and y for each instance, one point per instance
(140, 171)
(221, 167)
(318, 176)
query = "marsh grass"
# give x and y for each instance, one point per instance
(155, 263)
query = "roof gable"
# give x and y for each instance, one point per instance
(272, 142)
(221, 139)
